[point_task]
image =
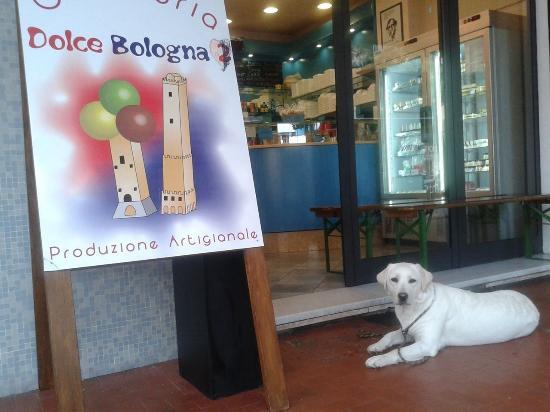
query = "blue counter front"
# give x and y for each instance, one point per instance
(290, 179)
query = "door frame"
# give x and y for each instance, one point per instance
(455, 253)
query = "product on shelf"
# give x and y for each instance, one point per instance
(363, 96)
(327, 103)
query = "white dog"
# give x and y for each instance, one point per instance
(433, 316)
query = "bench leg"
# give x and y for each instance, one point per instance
(423, 238)
(397, 231)
(527, 231)
(326, 231)
(370, 235)
(368, 224)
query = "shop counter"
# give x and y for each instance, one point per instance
(291, 178)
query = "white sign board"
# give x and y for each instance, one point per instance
(137, 134)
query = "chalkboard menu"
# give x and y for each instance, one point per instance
(259, 74)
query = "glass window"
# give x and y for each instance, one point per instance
(494, 59)
(285, 72)
(404, 114)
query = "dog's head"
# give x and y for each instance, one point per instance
(404, 282)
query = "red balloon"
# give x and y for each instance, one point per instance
(135, 123)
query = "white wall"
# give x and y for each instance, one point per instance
(543, 58)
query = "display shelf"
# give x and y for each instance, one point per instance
(474, 116)
(368, 70)
(368, 121)
(358, 82)
(264, 90)
(262, 123)
(475, 147)
(473, 90)
(408, 133)
(285, 145)
(401, 173)
(372, 102)
(407, 87)
(320, 115)
(410, 154)
(473, 170)
(408, 109)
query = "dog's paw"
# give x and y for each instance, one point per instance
(374, 349)
(375, 362)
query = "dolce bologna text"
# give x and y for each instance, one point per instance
(120, 45)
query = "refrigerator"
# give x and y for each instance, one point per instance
(411, 128)
(411, 148)
(412, 135)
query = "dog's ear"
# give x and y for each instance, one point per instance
(425, 277)
(382, 277)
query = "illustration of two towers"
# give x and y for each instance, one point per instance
(178, 194)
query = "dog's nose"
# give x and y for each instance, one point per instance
(402, 297)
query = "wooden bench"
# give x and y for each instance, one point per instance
(421, 213)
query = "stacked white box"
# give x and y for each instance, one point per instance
(294, 89)
(327, 103)
(330, 76)
(363, 96)
(308, 86)
(309, 107)
(318, 82)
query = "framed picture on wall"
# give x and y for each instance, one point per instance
(391, 24)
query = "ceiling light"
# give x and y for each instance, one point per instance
(271, 10)
(352, 30)
(319, 46)
(229, 21)
(324, 6)
(302, 59)
(291, 59)
(364, 31)
(330, 47)
(250, 55)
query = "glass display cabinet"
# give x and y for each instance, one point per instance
(411, 132)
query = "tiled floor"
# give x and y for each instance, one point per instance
(298, 273)
(324, 370)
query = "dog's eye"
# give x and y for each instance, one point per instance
(412, 280)
(394, 280)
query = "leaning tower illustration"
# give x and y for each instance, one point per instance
(178, 194)
(131, 180)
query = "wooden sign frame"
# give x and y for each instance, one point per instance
(63, 343)
(55, 323)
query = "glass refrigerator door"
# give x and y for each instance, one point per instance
(478, 161)
(407, 146)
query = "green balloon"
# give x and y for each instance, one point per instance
(97, 122)
(117, 94)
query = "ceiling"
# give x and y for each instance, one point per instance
(294, 19)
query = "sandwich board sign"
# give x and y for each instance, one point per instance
(138, 141)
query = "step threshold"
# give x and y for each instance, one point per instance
(312, 308)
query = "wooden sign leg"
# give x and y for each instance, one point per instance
(266, 335)
(64, 344)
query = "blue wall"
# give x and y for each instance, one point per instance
(290, 180)
(124, 314)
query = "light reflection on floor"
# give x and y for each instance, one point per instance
(298, 273)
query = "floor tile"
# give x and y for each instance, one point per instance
(324, 371)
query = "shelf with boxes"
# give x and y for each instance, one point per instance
(290, 115)
(316, 96)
